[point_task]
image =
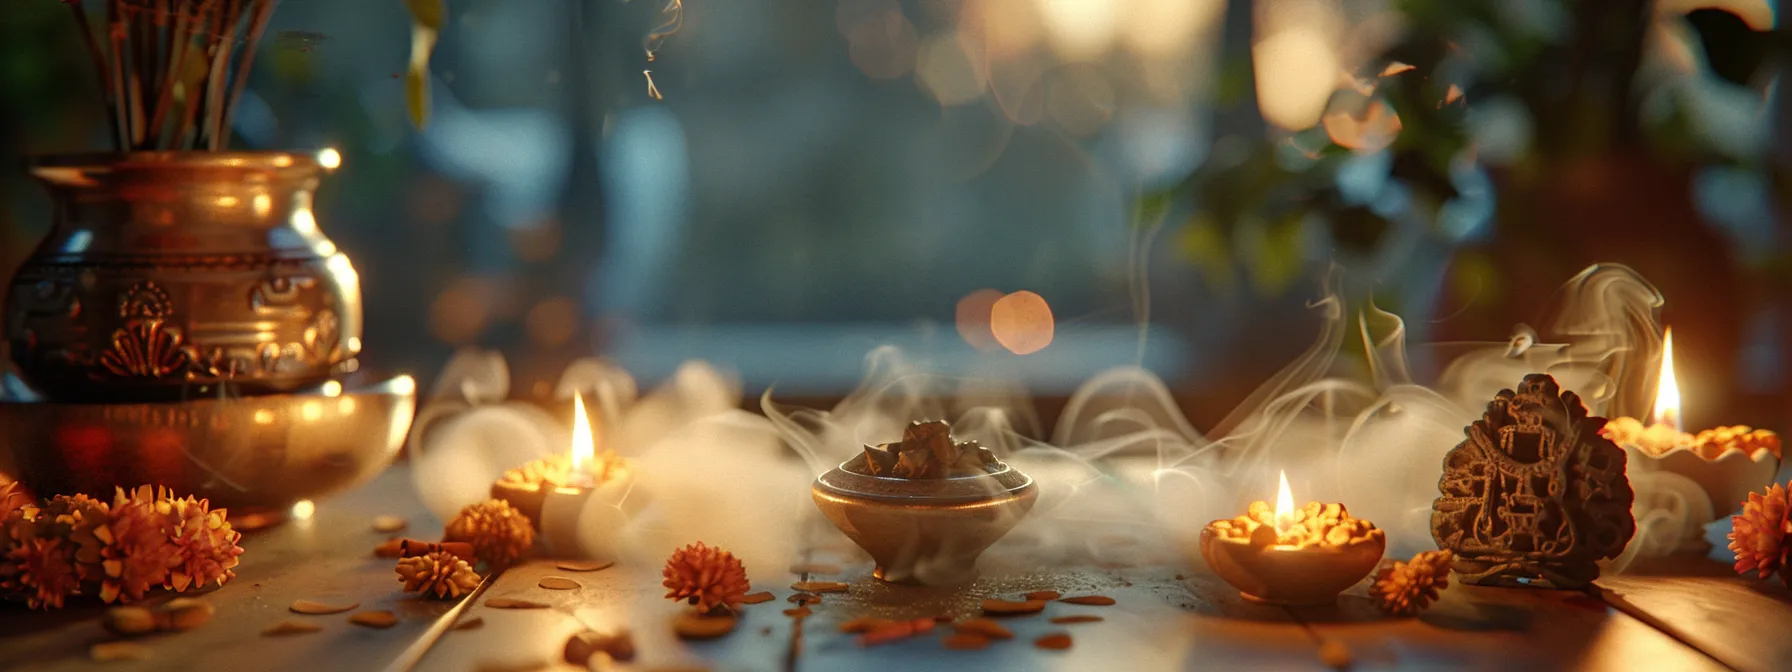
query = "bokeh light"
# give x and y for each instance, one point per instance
(1022, 322)
(973, 316)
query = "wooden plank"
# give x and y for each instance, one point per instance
(1481, 628)
(326, 558)
(1707, 605)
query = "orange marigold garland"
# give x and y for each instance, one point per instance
(141, 555)
(1759, 536)
(205, 541)
(43, 564)
(13, 498)
(707, 577)
(78, 519)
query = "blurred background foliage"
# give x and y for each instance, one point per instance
(822, 177)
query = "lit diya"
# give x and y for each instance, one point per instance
(926, 507)
(1295, 556)
(1726, 462)
(553, 491)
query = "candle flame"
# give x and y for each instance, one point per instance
(584, 449)
(1284, 505)
(1667, 390)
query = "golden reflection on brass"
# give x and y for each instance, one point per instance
(924, 531)
(259, 453)
(1271, 574)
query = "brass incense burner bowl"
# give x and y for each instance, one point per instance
(928, 529)
(165, 274)
(256, 455)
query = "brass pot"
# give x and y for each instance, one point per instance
(1312, 575)
(168, 273)
(924, 531)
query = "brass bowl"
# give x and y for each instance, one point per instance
(1312, 575)
(256, 455)
(924, 531)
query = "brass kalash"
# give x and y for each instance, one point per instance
(1535, 496)
(926, 507)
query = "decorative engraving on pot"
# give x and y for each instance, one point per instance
(279, 295)
(145, 300)
(324, 336)
(145, 349)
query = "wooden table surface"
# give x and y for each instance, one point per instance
(1686, 614)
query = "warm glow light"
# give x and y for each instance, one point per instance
(311, 411)
(329, 158)
(1284, 505)
(1667, 390)
(332, 389)
(303, 509)
(583, 447)
(1022, 322)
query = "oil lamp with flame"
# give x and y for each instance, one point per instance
(1288, 555)
(555, 491)
(1726, 463)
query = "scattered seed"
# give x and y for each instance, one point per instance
(1333, 653)
(756, 598)
(814, 568)
(966, 642)
(390, 548)
(388, 524)
(1007, 608)
(983, 627)
(320, 608)
(473, 623)
(130, 621)
(557, 583)
(291, 628)
(513, 603)
(1090, 600)
(691, 625)
(804, 599)
(114, 651)
(583, 645)
(1044, 595)
(895, 631)
(819, 586)
(799, 612)
(583, 565)
(1057, 641)
(1079, 618)
(184, 613)
(864, 624)
(1180, 577)
(374, 619)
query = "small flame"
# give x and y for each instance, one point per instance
(1667, 391)
(583, 448)
(1284, 505)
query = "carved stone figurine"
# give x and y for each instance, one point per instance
(1535, 496)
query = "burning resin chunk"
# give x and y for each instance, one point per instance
(927, 452)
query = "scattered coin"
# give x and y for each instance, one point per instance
(1079, 618)
(388, 524)
(582, 646)
(1007, 608)
(863, 624)
(390, 548)
(318, 608)
(113, 651)
(966, 642)
(819, 586)
(799, 612)
(1045, 595)
(374, 619)
(291, 628)
(756, 598)
(691, 625)
(513, 603)
(1055, 641)
(473, 623)
(983, 627)
(1090, 600)
(583, 565)
(814, 568)
(557, 583)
